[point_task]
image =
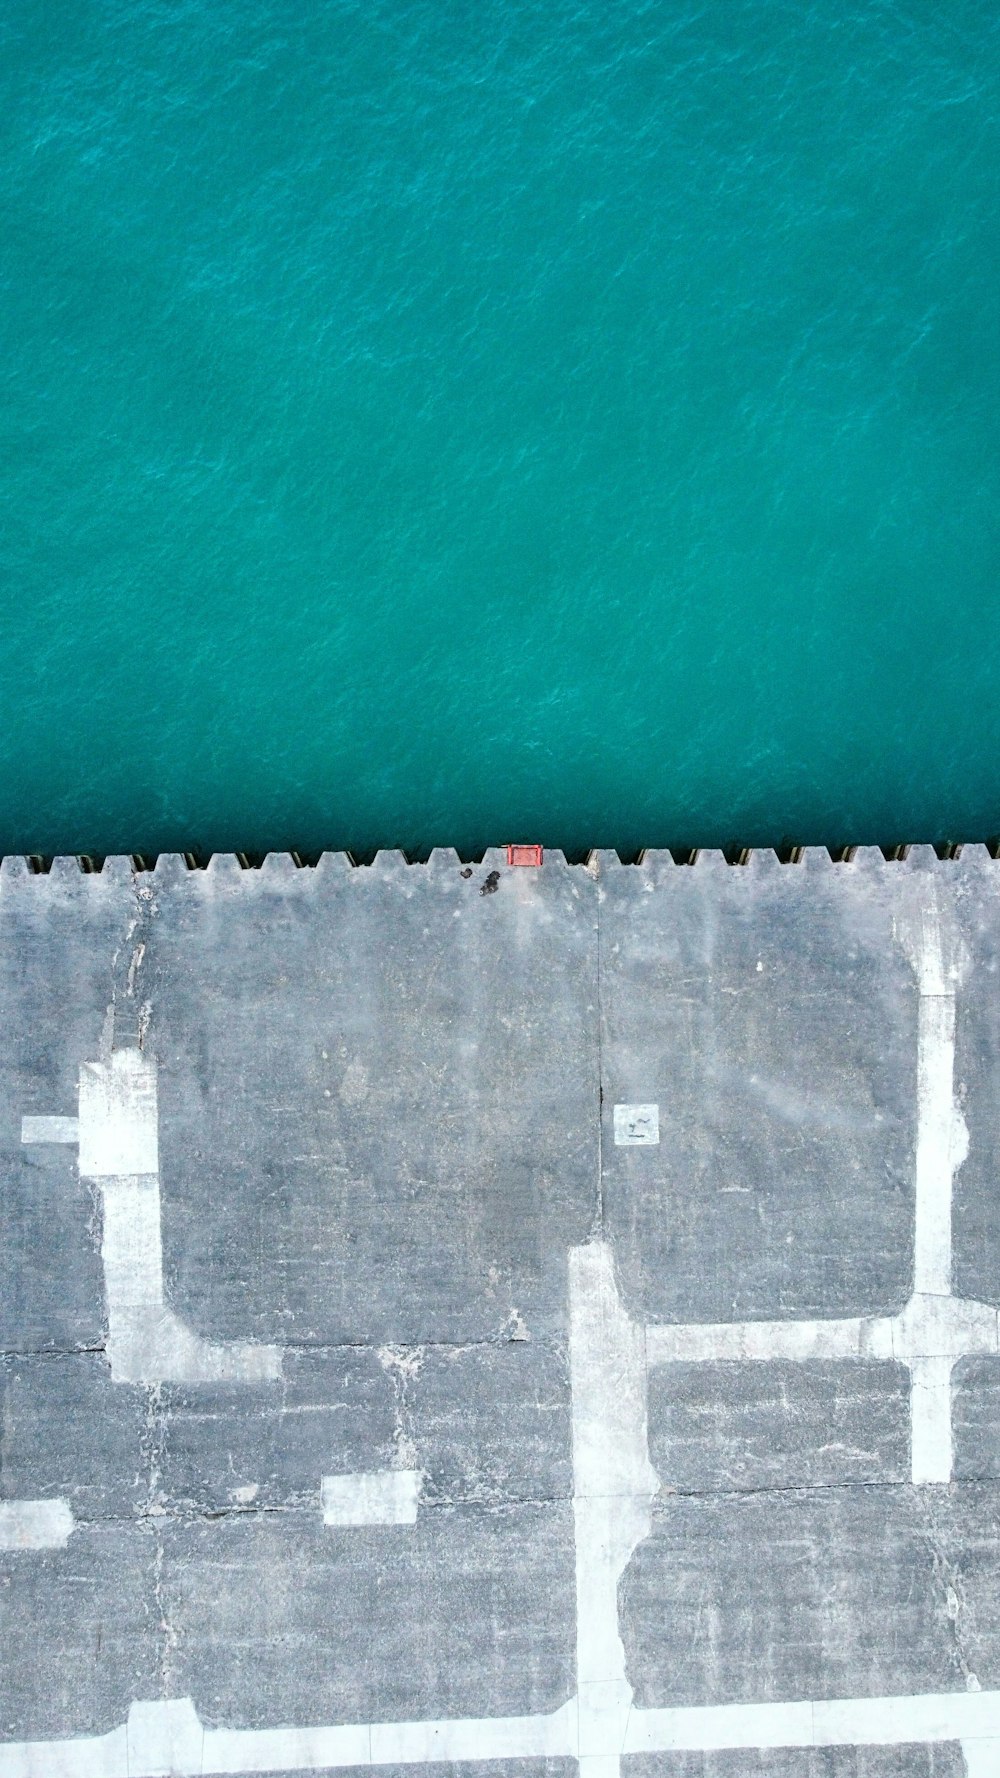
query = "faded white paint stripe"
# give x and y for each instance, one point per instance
(131, 1243)
(35, 1524)
(930, 1420)
(837, 1722)
(50, 1129)
(380, 1497)
(982, 1758)
(477, 1738)
(283, 1750)
(89, 1756)
(942, 1144)
(868, 1337)
(167, 1737)
(613, 1486)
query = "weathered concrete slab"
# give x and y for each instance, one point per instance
(80, 1633)
(377, 1099)
(773, 1019)
(715, 1428)
(470, 1610)
(67, 1432)
(660, 1442)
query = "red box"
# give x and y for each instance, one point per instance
(529, 855)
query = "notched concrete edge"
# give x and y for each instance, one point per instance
(276, 867)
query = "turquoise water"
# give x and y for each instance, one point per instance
(434, 422)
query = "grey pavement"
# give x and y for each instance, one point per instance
(384, 1101)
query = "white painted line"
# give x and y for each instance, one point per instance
(50, 1129)
(636, 1125)
(147, 1342)
(930, 1420)
(35, 1524)
(613, 1488)
(859, 1337)
(942, 1144)
(166, 1736)
(380, 1497)
(118, 1117)
(713, 1727)
(837, 1722)
(286, 1749)
(119, 1148)
(886, 1722)
(944, 1327)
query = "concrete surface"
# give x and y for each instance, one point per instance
(501, 1321)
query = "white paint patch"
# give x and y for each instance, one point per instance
(836, 1722)
(636, 1126)
(476, 1738)
(118, 1116)
(166, 1737)
(613, 1487)
(35, 1524)
(50, 1129)
(147, 1342)
(381, 1497)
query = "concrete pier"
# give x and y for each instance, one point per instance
(501, 1320)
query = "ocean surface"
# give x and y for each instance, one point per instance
(436, 422)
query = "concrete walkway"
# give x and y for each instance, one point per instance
(501, 1320)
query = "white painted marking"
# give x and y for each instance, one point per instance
(35, 1524)
(858, 1337)
(930, 1420)
(118, 1117)
(289, 1749)
(382, 1497)
(613, 1487)
(164, 1737)
(476, 1738)
(86, 1756)
(982, 1758)
(942, 1144)
(837, 1722)
(167, 1737)
(50, 1129)
(636, 1125)
(147, 1342)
